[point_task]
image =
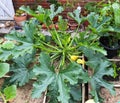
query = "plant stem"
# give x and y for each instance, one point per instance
(77, 28)
(54, 56)
(3, 97)
(47, 49)
(49, 45)
(63, 59)
(60, 44)
(94, 40)
(74, 36)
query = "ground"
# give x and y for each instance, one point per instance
(24, 94)
(109, 98)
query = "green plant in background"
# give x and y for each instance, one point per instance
(76, 16)
(9, 92)
(91, 7)
(62, 23)
(19, 13)
(55, 2)
(43, 15)
(67, 3)
(49, 58)
(106, 27)
(97, 23)
(112, 10)
(116, 70)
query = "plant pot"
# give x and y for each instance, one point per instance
(111, 51)
(20, 19)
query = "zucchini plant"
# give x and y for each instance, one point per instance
(55, 59)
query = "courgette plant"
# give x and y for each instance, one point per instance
(55, 59)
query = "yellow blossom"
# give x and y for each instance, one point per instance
(74, 57)
(81, 61)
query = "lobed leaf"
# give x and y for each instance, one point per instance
(22, 72)
(48, 76)
(10, 92)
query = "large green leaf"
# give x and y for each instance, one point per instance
(41, 16)
(71, 73)
(10, 92)
(6, 50)
(23, 42)
(94, 47)
(8, 45)
(114, 29)
(4, 68)
(26, 36)
(5, 54)
(91, 54)
(63, 90)
(116, 11)
(97, 23)
(18, 50)
(22, 72)
(100, 67)
(93, 19)
(53, 92)
(40, 87)
(97, 81)
(76, 93)
(48, 76)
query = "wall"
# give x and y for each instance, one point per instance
(44, 3)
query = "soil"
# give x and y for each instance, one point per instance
(108, 98)
(24, 94)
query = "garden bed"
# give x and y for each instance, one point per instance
(56, 60)
(108, 98)
(24, 94)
